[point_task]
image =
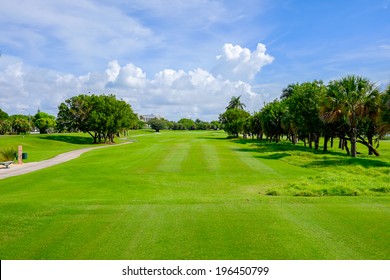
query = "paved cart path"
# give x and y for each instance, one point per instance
(18, 169)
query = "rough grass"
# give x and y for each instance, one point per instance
(337, 174)
(188, 195)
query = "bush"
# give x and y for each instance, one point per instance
(381, 190)
(272, 193)
(8, 154)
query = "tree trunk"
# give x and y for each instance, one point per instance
(310, 141)
(369, 146)
(345, 144)
(353, 138)
(294, 139)
(316, 142)
(370, 143)
(326, 139)
(331, 142)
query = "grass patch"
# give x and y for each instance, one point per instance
(337, 174)
(195, 195)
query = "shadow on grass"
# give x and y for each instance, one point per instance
(72, 139)
(213, 138)
(264, 146)
(277, 151)
(367, 163)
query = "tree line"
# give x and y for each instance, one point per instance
(101, 116)
(183, 124)
(352, 109)
(21, 124)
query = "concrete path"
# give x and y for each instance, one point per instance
(18, 169)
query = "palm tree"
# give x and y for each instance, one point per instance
(349, 99)
(235, 103)
(385, 114)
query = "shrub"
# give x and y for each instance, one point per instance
(8, 154)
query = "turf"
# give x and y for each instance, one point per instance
(40, 147)
(193, 195)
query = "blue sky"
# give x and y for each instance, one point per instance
(184, 58)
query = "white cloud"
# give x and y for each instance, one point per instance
(113, 70)
(168, 76)
(64, 33)
(238, 63)
(131, 76)
(173, 94)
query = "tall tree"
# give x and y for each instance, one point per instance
(302, 114)
(233, 121)
(44, 122)
(5, 123)
(256, 128)
(348, 98)
(288, 91)
(235, 103)
(271, 119)
(20, 124)
(3, 115)
(102, 116)
(5, 126)
(385, 112)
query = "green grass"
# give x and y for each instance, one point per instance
(336, 173)
(194, 195)
(41, 147)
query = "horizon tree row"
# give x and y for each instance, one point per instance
(21, 124)
(101, 116)
(183, 124)
(352, 109)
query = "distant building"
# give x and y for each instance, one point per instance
(146, 118)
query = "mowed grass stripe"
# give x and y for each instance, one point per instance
(252, 163)
(174, 155)
(211, 156)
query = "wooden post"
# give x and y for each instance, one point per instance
(20, 152)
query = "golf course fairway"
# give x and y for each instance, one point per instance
(198, 195)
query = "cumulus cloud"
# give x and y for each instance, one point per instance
(173, 94)
(128, 76)
(238, 63)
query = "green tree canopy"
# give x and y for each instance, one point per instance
(102, 116)
(20, 124)
(385, 112)
(302, 116)
(271, 119)
(349, 99)
(44, 122)
(233, 121)
(188, 124)
(158, 124)
(3, 115)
